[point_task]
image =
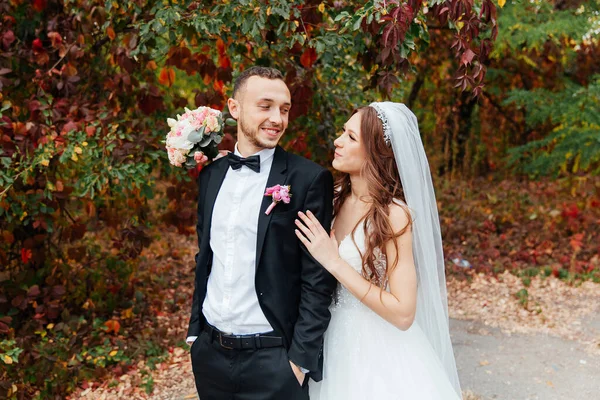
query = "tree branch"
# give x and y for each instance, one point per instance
(414, 91)
(502, 111)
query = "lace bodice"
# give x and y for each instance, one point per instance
(351, 254)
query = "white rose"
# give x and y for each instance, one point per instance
(178, 137)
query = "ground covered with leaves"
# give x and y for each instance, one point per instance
(555, 307)
(521, 256)
(527, 227)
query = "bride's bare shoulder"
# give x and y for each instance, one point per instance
(399, 215)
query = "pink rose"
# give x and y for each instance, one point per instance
(285, 194)
(176, 156)
(272, 189)
(278, 193)
(200, 158)
(211, 123)
(196, 123)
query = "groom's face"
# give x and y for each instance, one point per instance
(262, 109)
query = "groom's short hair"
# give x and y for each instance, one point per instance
(263, 72)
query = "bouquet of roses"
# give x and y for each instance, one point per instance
(194, 136)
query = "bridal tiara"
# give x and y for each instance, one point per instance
(387, 133)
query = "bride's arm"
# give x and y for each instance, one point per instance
(398, 306)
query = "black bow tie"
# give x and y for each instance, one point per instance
(236, 162)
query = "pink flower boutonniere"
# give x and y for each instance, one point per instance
(278, 193)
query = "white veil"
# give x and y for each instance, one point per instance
(401, 131)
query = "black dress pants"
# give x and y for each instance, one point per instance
(230, 374)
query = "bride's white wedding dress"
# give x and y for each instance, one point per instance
(366, 357)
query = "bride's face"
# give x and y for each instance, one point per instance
(349, 151)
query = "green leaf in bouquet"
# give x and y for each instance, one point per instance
(231, 122)
(190, 163)
(205, 142)
(196, 136)
(216, 137)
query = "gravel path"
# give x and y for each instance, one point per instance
(523, 367)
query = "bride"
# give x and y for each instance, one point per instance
(388, 337)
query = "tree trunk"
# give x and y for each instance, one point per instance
(457, 136)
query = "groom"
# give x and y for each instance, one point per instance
(260, 305)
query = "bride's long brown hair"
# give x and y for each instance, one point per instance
(383, 182)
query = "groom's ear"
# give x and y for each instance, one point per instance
(234, 108)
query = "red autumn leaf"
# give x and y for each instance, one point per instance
(224, 62)
(113, 326)
(467, 57)
(37, 45)
(167, 76)
(42, 58)
(302, 95)
(39, 5)
(571, 211)
(7, 39)
(68, 70)
(218, 86)
(33, 291)
(8, 237)
(114, 289)
(25, 255)
(68, 127)
(149, 102)
(151, 65)
(386, 81)
(576, 242)
(220, 46)
(110, 32)
(179, 56)
(399, 22)
(9, 20)
(5, 324)
(298, 144)
(55, 39)
(19, 302)
(308, 58)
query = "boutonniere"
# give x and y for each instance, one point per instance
(278, 193)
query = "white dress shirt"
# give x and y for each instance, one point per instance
(231, 304)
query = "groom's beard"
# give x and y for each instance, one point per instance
(252, 136)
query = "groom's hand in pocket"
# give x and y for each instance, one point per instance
(299, 374)
(190, 341)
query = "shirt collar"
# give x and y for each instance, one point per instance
(265, 154)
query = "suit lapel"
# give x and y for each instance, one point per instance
(277, 176)
(215, 181)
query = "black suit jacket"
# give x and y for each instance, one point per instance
(294, 291)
